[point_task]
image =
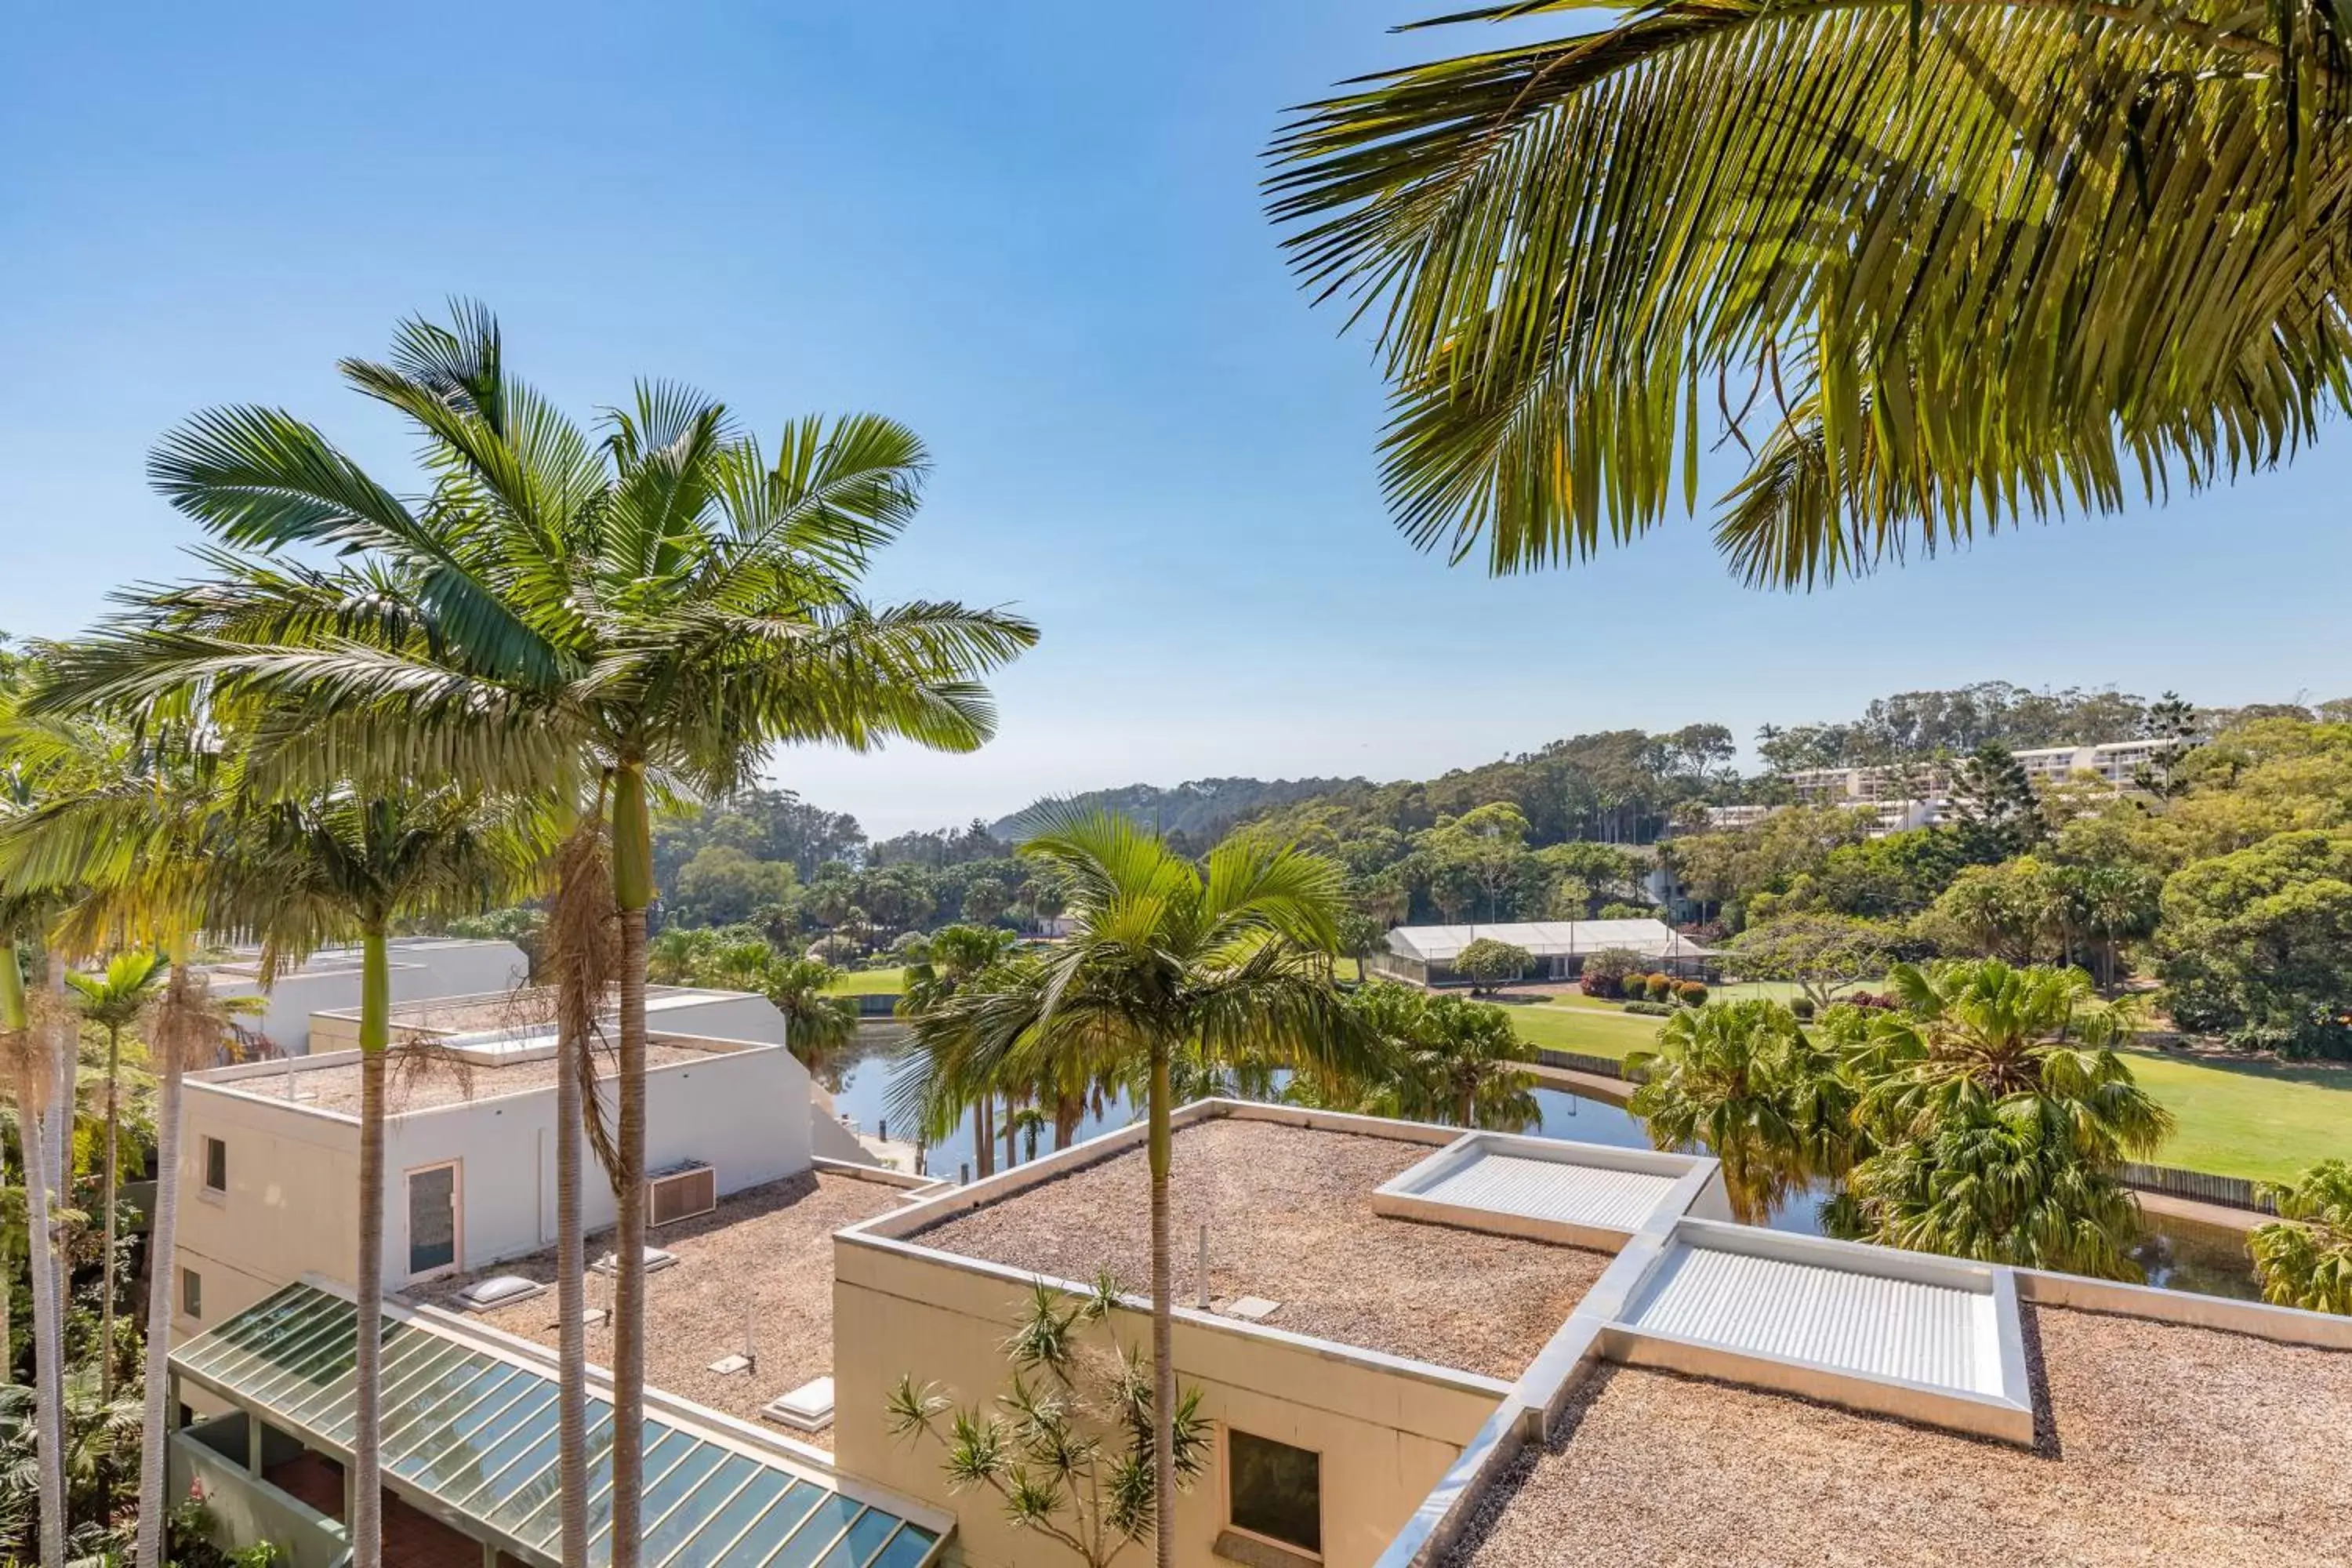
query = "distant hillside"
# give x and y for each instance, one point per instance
(1202, 808)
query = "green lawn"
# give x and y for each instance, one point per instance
(1602, 1031)
(868, 982)
(2250, 1119)
(2256, 1120)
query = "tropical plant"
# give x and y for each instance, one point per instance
(1748, 1082)
(656, 608)
(816, 1023)
(99, 1443)
(1462, 1061)
(1973, 296)
(2304, 1257)
(1488, 964)
(2002, 1114)
(113, 1000)
(951, 959)
(1226, 960)
(1068, 1447)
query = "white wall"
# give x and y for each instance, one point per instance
(292, 1205)
(743, 1113)
(423, 969)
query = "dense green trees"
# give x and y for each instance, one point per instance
(1488, 964)
(2260, 942)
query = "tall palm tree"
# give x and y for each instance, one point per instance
(1747, 1081)
(952, 959)
(816, 1023)
(1228, 959)
(652, 609)
(114, 1001)
(1937, 266)
(33, 1049)
(344, 866)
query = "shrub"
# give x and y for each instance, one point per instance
(1488, 964)
(1608, 985)
(1653, 1009)
(1871, 1001)
(1691, 994)
(1616, 966)
(1661, 987)
(1802, 1006)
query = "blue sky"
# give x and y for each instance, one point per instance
(1032, 232)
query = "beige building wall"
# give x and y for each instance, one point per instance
(1386, 1432)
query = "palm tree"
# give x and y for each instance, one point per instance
(1455, 1060)
(1748, 1082)
(650, 611)
(342, 866)
(951, 961)
(1226, 960)
(816, 1023)
(1939, 267)
(2304, 1257)
(2002, 1114)
(34, 1050)
(114, 1001)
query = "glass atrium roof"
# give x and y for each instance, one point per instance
(476, 1434)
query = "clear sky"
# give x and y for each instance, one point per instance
(1032, 231)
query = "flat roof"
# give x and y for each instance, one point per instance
(474, 1434)
(762, 1261)
(1291, 1220)
(2158, 1443)
(423, 1079)
(528, 1009)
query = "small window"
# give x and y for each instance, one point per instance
(216, 1165)
(1275, 1490)
(192, 1293)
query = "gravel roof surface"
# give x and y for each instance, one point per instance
(528, 1009)
(421, 1082)
(2160, 1444)
(1290, 1218)
(766, 1254)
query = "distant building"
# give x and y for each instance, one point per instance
(1424, 955)
(1919, 796)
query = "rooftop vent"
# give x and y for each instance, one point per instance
(808, 1408)
(656, 1261)
(499, 1290)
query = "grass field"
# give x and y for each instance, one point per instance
(2257, 1119)
(2250, 1119)
(868, 982)
(1596, 1031)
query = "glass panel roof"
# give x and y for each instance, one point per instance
(479, 1435)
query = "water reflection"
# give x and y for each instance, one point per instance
(2180, 1255)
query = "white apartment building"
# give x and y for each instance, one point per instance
(422, 968)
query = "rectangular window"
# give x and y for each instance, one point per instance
(192, 1293)
(216, 1165)
(1275, 1490)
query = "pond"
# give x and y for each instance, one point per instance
(2178, 1254)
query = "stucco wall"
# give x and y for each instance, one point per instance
(1386, 1433)
(292, 1205)
(423, 970)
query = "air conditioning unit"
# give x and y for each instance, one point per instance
(680, 1192)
